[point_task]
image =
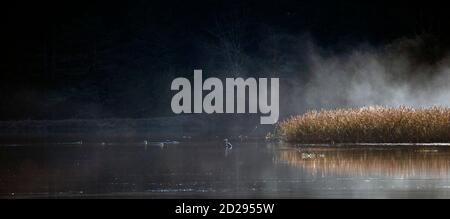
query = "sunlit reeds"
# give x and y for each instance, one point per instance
(369, 125)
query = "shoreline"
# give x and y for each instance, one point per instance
(369, 144)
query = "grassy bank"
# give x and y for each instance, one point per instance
(369, 125)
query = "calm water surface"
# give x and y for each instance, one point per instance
(208, 170)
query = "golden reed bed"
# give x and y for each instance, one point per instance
(368, 125)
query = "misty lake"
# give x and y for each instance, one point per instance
(209, 170)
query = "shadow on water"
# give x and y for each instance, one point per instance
(212, 170)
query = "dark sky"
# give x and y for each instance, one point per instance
(109, 59)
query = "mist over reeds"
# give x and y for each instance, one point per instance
(411, 72)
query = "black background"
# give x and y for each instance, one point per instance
(111, 59)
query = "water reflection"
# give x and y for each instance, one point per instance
(211, 170)
(228, 151)
(393, 162)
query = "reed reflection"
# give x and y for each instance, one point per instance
(394, 162)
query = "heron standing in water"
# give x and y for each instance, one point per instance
(228, 145)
